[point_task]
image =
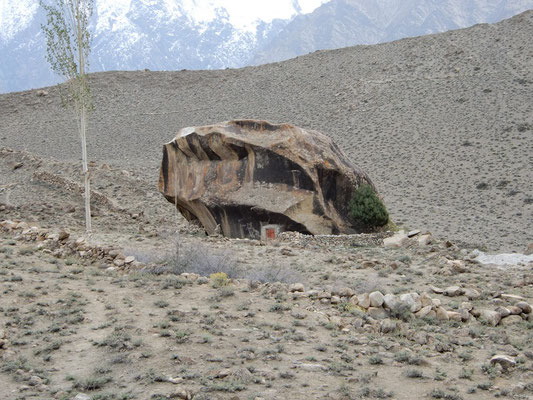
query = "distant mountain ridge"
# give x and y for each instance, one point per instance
(343, 23)
(160, 35)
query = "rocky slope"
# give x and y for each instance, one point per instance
(441, 123)
(176, 34)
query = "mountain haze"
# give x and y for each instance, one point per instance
(342, 23)
(173, 35)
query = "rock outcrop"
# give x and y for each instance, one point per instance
(241, 175)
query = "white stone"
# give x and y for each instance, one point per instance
(505, 361)
(376, 299)
(397, 240)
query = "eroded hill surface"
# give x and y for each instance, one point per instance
(442, 123)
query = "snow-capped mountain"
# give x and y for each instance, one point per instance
(153, 34)
(210, 34)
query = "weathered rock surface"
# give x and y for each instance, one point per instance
(243, 174)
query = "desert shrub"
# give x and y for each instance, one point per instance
(219, 279)
(366, 207)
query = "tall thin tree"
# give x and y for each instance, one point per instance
(68, 44)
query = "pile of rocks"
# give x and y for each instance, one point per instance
(379, 306)
(356, 240)
(61, 244)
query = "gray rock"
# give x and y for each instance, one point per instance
(399, 239)
(490, 316)
(526, 308)
(376, 299)
(453, 291)
(472, 294)
(424, 312)
(82, 396)
(504, 312)
(442, 314)
(390, 300)
(388, 325)
(511, 320)
(296, 287)
(377, 313)
(363, 300)
(436, 289)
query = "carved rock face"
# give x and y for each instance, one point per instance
(244, 174)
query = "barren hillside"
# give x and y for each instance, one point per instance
(443, 124)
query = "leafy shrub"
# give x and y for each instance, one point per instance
(367, 208)
(219, 279)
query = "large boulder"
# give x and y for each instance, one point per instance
(243, 174)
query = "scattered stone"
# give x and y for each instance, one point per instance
(399, 239)
(512, 297)
(129, 259)
(424, 240)
(296, 287)
(364, 300)
(421, 337)
(425, 300)
(453, 291)
(388, 326)
(424, 312)
(511, 320)
(442, 314)
(82, 396)
(490, 316)
(335, 300)
(472, 294)
(436, 289)
(525, 307)
(505, 361)
(504, 312)
(376, 299)
(529, 250)
(390, 301)
(413, 233)
(377, 313)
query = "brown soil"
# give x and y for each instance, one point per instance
(72, 324)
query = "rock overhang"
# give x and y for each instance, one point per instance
(239, 175)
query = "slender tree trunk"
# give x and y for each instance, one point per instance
(83, 123)
(85, 169)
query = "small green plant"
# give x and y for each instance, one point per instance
(219, 279)
(367, 208)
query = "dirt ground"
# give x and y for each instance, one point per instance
(442, 124)
(76, 324)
